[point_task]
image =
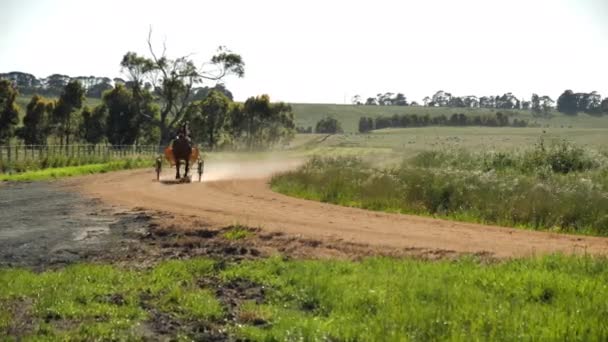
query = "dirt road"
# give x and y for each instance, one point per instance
(238, 193)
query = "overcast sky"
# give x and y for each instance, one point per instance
(328, 51)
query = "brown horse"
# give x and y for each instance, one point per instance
(182, 151)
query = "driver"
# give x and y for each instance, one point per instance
(184, 131)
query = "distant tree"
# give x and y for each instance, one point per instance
(457, 102)
(261, 123)
(604, 106)
(567, 103)
(55, 84)
(414, 104)
(201, 93)
(400, 100)
(535, 104)
(507, 101)
(371, 101)
(356, 100)
(426, 101)
(487, 102)
(36, 122)
(173, 81)
(366, 124)
(385, 99)
(209, 118)
(471, 101)
(9, 112)
(441, 98)
(328, 125)
(547, 104)
(93, 125)
(96, 90)
(64, 115)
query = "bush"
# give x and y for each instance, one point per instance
(328, 125)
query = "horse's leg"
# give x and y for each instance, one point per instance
(177, 162)
(187, 167)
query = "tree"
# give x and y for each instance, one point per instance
(202, 92)
(262, 123)
(365, 124)
(400, 100)
(122, 122)
(99, 86)
(370, 101)
(173, 81)
(535, 104)
(604, 106)
(93, 126)
(567, 103)
(9, 112)
(328, 125)
(69, 102)
(441, 98)
(426, 100)
(209, 118)
(356, 100)
(547, 104)
(36, 128)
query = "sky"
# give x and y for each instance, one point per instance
(327, 51)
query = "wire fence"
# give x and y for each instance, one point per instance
(15, 153)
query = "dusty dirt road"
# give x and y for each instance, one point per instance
(238, 193)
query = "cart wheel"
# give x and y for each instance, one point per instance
(159, 165)
(200, 170)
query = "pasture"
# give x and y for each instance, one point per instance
(229, 259)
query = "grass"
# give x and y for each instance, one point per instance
(100, 302)
(561, 188)
(394, 300)
(69, 171)
(237, 232)
(545, 298)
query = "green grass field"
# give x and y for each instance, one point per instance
(549, 298)
(348, 115)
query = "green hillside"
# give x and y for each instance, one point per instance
(307, 114)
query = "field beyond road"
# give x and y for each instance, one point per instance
(238, 193)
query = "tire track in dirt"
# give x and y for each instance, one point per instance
(238, 193)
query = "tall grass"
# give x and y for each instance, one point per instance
(561, 187)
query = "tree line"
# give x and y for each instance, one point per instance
(160, 94)
(367, 124)
(215, 120)
(568, 103)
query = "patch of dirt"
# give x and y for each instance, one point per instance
(22, 321)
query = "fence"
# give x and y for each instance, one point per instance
(17, 153)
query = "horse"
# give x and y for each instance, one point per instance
(182, 150)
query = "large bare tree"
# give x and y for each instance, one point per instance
(171, 81)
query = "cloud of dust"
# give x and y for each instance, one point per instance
(235, 166)
(216, 170)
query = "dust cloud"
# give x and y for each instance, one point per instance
(219, 170)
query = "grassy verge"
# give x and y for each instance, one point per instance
(96, 302)
(549, 298)
(68, 171)
(561, 188)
